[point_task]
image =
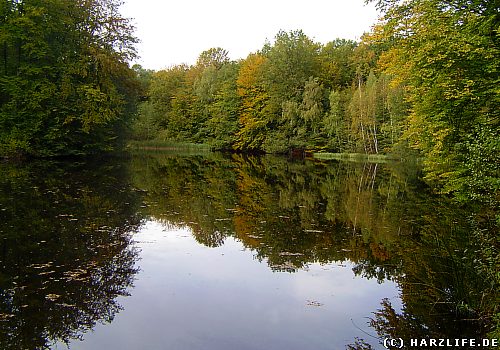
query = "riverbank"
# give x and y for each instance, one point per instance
(156, 145)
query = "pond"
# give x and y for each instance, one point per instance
(217, 251)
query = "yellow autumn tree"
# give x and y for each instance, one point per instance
(254, 97)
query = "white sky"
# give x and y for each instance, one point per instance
(175, 32)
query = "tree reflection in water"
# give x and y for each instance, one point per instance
(65, 250)
(381, 217)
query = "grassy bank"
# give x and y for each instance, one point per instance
(357, 157)
(156, 145)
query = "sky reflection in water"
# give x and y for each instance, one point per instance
(164, 251)
(189, 296)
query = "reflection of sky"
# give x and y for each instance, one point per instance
(188, 296)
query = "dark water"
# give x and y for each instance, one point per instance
(162, 251)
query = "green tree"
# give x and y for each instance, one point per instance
(334, 123)
(215, 57)
(362, 116)
(337, 66)
(222, 106)
(290, 62)
(447, 55)
(216, 98)
(65, 83)
(167, 112)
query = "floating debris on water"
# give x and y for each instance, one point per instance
(287, 265)
(52, 297)
(290, 254)
(46, 273)
(66, 305)
(314, 303)
(41, 266)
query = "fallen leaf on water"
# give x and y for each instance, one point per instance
(52, 297)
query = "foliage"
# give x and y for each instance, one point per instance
(254, 107)
(221, 104)
(447, 55)
(338, 65)
(290, 62)
(65, 85)
(215, 57)
(275, 100)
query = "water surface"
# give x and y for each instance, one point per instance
(224, 251)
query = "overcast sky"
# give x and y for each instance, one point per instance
(175, 32)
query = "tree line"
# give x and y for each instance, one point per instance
(423, 81)
(292, 94)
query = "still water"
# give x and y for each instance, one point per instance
(214, 251)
